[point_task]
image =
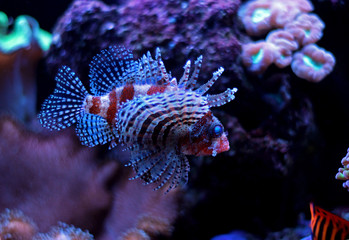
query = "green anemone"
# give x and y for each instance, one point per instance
(25, 30)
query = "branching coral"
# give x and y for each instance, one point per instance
(20, 50)
(299, 28)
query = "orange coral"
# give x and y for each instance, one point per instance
(14, 225)
(153, 225)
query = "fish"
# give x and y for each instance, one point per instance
(326, 225)
(137, 104)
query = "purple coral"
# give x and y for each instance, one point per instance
(261, 16)
(306, 28)
(152, 213)
(313, 63)
(343, 173)
(74, 189)
(14, 225)
(180, 29)
(300, 28)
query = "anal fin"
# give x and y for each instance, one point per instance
(160, 167)
(94, 130)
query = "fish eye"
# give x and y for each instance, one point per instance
(216, 130)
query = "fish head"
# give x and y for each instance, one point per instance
(205, 137)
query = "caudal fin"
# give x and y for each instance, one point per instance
(64, 107)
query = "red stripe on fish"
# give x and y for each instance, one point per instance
(112, 108)
(327, 226)
(96, 105)
(127, 93)
(156, 89)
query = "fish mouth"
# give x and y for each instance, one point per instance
(224, 144)
(219, 145)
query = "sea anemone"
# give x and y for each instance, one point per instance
(312, 63)
(258, 56)
(20, 50)
(306, 28)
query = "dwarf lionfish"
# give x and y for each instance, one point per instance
(137, 104)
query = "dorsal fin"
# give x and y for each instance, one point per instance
(112, 67)
(152, 71)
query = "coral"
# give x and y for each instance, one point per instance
(140, 208)
(25, 33)
(154, 225)
(306, 28)
(134, 234)
(343, 173)
(66, 232)
(285, 43)
(20, 50)
(182, 30)
(312, 63)
(258, 56)
(282, 39)
(297, 28)
(260, 16)
(84, 29)
(52, 178)
(14, 225)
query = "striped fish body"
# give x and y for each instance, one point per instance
(137, 104)
(108, 105)
(327, 226)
